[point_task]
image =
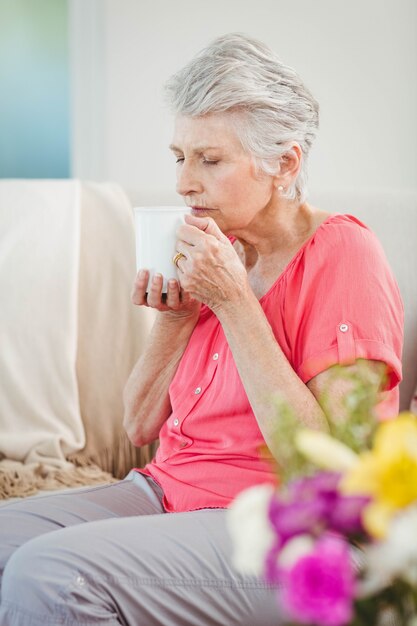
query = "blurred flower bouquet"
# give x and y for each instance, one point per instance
(339, 536)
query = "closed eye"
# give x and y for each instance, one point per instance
(205, 161)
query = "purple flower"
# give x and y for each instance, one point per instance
(320, 586)
(322, 482)
(346, 516)
(295, 518)
(313, 504)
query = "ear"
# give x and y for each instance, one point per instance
(289, 166)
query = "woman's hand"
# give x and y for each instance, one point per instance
(146, 395)
(176, 301)
(211, 271)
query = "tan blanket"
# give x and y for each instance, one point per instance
(69, 335)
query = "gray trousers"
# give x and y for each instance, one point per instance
(111, 555)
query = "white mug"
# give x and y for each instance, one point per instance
(156, 238)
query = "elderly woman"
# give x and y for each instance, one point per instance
(272, 294)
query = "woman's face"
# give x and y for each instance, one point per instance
(215, 176)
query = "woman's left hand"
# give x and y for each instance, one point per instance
(211, 271)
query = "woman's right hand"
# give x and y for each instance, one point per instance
(176, 301)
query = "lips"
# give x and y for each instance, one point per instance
(196, 210)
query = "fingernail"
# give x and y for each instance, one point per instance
(142, 273)
(157, 277)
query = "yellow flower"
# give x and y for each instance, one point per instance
(324, 451)
(388, 473)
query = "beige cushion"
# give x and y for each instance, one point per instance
(111, 331)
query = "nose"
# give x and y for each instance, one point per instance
(188, 181)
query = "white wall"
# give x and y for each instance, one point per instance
(359, 58)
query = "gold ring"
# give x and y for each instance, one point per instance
(177, 257)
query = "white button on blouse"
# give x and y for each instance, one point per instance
(176, 422)
(343, 328)
(215, 356)
(197, 391)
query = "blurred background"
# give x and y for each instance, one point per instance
(35, 122)
(81, 85)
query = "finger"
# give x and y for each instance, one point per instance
(154, 298)
(138, 294)
(190, 234)
(185, 297)
(205, 224)
(173, 294)
(193, 236)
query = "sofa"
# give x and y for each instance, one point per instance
(70, 335)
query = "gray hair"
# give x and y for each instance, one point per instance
(273, 108)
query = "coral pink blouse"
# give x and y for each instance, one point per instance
(335, 302)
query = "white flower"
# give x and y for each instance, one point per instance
(249, 527)
(294, 549)
(324, 451)
(396, 556)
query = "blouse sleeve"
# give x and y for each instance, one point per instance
(344, 303)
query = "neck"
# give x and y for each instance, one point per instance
(278, 230)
